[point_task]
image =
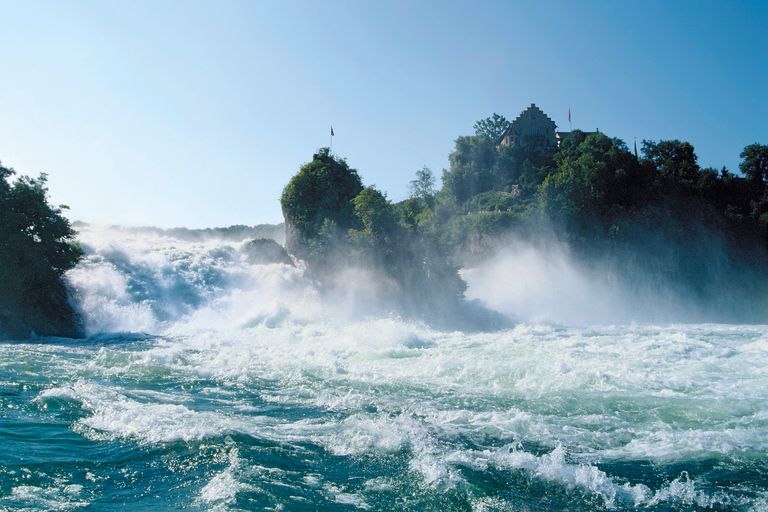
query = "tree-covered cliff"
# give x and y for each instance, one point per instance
(36, 247)
(335, 223)
(654, 209)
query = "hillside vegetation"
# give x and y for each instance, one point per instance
(36, 247)
(653, 209)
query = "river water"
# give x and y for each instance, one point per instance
(207, 383)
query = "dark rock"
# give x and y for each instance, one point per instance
(263, 251)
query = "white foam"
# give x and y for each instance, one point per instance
(361, 433)
(390, 386)
(149, 283)
(66, 497)
(340, 496)
(222, 489)
(114, 415)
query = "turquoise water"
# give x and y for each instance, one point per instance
(210, 384)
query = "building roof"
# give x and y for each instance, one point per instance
(531, 110)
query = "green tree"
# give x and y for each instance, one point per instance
(755, 165)
(492, 127)
(508, 166)
(415, 212)
(531, 178)
(569, 147)
(675, 161)
(37, 246)
(378, 236)
(322, 191)
(423, 187)
(592, 180)
(566, 194)
(471, 169)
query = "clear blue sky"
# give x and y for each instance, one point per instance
(197, 113)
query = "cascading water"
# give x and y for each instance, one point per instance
(208, 383)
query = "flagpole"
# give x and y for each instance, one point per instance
(330, 146)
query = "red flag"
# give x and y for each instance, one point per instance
(331, 131)
(569, 117)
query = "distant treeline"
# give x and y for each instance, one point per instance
(237, 232)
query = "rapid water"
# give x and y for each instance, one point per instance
(207, 383)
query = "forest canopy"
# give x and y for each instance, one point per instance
(592, 183)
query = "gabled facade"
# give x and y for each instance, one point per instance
(532, 128)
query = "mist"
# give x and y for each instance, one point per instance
(158, 282)
(543, 279)
(540, 281)
(167, 282)
(253, 356)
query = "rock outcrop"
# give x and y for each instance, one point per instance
(263, 251)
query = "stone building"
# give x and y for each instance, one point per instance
(532, 128)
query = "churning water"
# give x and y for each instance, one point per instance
(207, 383)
